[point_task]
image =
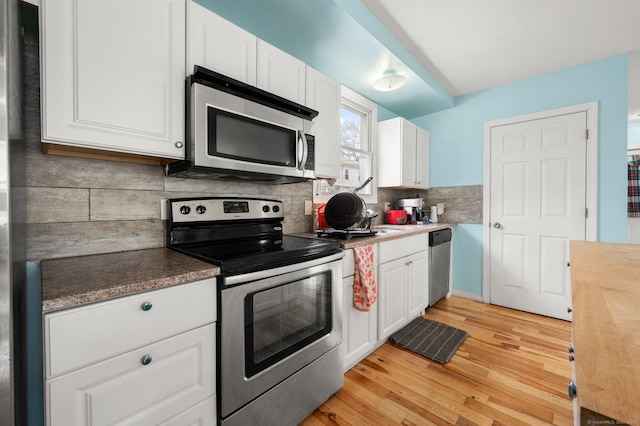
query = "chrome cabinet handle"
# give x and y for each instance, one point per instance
(571, 357)
(570, 349)
(146, 360)
(571, 389)
(146, 306)
(497, 225)
(179, 144)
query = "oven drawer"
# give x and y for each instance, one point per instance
(81, 336)
(180, 374)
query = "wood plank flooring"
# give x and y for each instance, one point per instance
(511, 370)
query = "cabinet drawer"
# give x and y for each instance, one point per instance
(81, 336)
(122, 389)
(401, 247)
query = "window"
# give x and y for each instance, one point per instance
(358, 122)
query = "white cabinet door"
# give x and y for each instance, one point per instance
(219, 45)
(124, 390)
(360, 329)
(392, 297)
(422, 158)
(201, 414)
(403, 154)
(418, 284)
(323, 95)
(113, 75)
(408, 144)
(281, 73)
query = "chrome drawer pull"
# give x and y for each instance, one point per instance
(146, 360)
(146, 306)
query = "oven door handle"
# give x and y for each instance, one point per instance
(258, 275)
(305, 150)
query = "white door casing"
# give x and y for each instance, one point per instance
(540, 179)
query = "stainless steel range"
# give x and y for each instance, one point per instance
(279, 338)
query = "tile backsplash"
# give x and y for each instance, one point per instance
(78, 206)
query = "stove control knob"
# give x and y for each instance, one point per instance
(201, 209)
(276, 209)
(185, 209)
(265, 209)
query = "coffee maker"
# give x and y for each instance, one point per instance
(413, 207)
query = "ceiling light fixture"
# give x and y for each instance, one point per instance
(389, 81)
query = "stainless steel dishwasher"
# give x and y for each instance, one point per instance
(439, 264)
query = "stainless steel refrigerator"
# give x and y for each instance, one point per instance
(13, 394)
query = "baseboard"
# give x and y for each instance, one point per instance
(467, 295)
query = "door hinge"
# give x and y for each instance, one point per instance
(586, 134)
(586, 212)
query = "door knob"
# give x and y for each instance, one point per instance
(497, 225)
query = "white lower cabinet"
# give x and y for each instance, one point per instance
(417, 284)
(201, 414)
(402, 267)
(168, 378)
(127, 390)
(403, 287)
(393, 297)
(360, 329)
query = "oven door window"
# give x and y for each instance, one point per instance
(282, 320)
(242, 138)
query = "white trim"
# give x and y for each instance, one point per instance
(591, 108)
(356, 101)
(631, 149)
(467, 295)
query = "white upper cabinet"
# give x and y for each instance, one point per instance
(219, 45)
(422, 158)
(323, 95)
(281, 73)
(113, 75)
(403, 154)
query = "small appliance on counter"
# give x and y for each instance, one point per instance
(413, 207)
(397, 217)
(433, 215)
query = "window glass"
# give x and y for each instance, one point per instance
(358, 119)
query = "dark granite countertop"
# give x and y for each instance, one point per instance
(75, 281)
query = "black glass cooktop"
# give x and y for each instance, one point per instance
(250, 255)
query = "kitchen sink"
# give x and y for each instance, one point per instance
(387, 230)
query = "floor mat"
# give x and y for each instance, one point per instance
(431, 339)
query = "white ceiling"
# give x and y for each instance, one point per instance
(475, 45)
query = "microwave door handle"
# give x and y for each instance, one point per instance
(305, 150)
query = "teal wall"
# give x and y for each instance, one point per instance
(457, 145)
(634, 134)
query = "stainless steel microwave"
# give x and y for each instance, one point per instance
(237, 131)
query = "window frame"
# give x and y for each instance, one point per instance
(369, 110)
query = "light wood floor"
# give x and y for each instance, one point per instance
(511, 370)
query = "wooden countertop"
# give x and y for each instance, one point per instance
(386, 232)
(606, 327)
(75, 281)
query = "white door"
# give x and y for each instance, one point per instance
(537, 204)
